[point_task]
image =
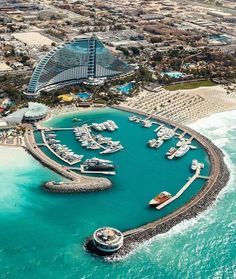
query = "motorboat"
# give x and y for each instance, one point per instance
(159, 199)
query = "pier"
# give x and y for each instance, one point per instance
(77, 182)
(158, 128)
(55, 153)
(183, 189)
(82, 169)
(92, 139)
(59, 129)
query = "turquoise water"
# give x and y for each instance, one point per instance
(221, 38)
(156, 173)
(174, 74)
(83, 95)
(126, 88)
(42, 233)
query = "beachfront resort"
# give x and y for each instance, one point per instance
(89, 143)
(116, 135)
(88, 147)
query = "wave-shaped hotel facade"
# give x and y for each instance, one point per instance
(75, 61)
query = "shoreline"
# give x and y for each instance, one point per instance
(58, 111)
(220, 175)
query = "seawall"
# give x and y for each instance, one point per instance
(219, 174)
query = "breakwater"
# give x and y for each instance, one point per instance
(77, 183)
(219, 176)
(92, 185)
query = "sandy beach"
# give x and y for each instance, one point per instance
(183, 106)
(63, 110)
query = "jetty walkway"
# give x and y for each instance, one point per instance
(182, 190)
(92, 139)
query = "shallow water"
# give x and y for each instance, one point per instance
(42, 233)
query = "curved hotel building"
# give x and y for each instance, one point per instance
(75, 61)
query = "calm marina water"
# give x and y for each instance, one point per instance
(141, 172)
(42, 234)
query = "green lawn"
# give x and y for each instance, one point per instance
(189, 85)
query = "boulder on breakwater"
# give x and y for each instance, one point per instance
(92, 185)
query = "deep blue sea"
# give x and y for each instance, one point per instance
(42, 234)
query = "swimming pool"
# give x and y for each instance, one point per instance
(173, 74)
(83, 95)
(221, 38)
(126, 88)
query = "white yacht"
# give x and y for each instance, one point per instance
(194, 164)
(152, 143)
(112, 149)
(132, 118)
(182, 150)
(97, 127)
(147, 123)
(168, 134)
(161, 132)
(113, 124)
(159, 142)
(180, 142)
(109, 127)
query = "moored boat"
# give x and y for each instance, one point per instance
(98, 164)
(112, 149)
(132, 118)
(168, 134)
(182, 150)
(194, 164)
(171, 151)
(75, 119)
(159, 142)
(159, 199)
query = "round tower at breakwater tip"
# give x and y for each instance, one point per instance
(107, 239)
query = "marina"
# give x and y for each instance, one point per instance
(84, 132)
(117, 161)
(178, 203)
(135, 153)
